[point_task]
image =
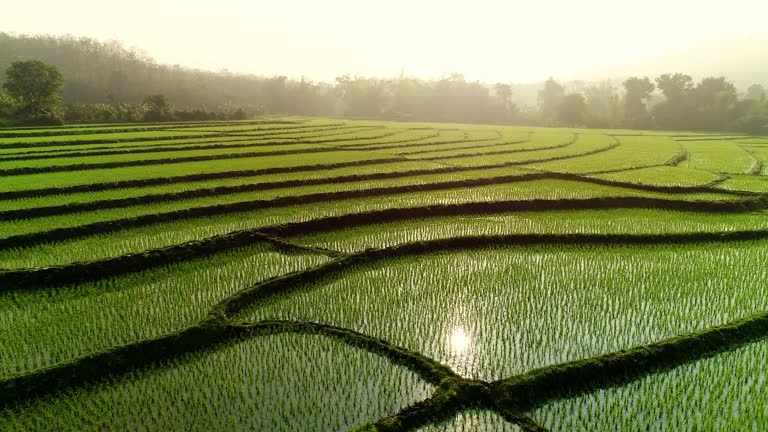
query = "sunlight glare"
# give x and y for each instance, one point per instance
(459, 340)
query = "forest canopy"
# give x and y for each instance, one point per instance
(105, 81)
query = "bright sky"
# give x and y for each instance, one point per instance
(505, 40)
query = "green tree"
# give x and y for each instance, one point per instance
(573, 109)
(715, 100)
(675, 87)
(504, 94)
(638, 90)
(603, 106)
(36, 85)
(454, 99)
(8, 106)
(755, 92)
(550, 98)
(755, 118)
(157, 108)
(363, 97)
(675, 111)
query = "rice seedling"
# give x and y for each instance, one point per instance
(139, 145)
(759, 152)
(149, 157)
(753, 141)
(486, 312)
(423, 138)
(125, 192)
(500, 311)
(286, 382)
(165, 234)
(604, 221)
(271, 136)
(45, 326)
(266, 127)
(342, 134)
(584, 144)
(64, 130)
(481, 148)
(632, 152)
(70, 178)
(745, 183)
(726, 392)
(663, 176)
(120, 127)
(100, 137)
(718, 156)
(391, 137)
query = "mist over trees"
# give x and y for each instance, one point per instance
(109, 82)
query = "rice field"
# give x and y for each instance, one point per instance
(295, 274)
(724, 393)
(500, 311)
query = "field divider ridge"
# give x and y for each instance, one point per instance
(166, 161)
(571, 141)
(60, 209)
(203, 135)
(451, 396)
(63, 151)
(502, 152)
(516, 394)
(77, 129)
(37, 278)
(102, 227)
(159, 181)
(415, 144)
(42, 144)
(496, 144)
(531, 389)
(524, 421)
(526, 162)
(684, 138)
(245, 143)
(96, 187)
(204, 335)
(757, 164)
(680, 157)
(332, 269)
(20, 279)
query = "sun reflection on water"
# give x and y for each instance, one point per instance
(459, 340)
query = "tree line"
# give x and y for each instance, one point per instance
(33, 97)
(711, 104)
(108, 82)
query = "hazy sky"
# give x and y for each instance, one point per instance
(486, 40)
